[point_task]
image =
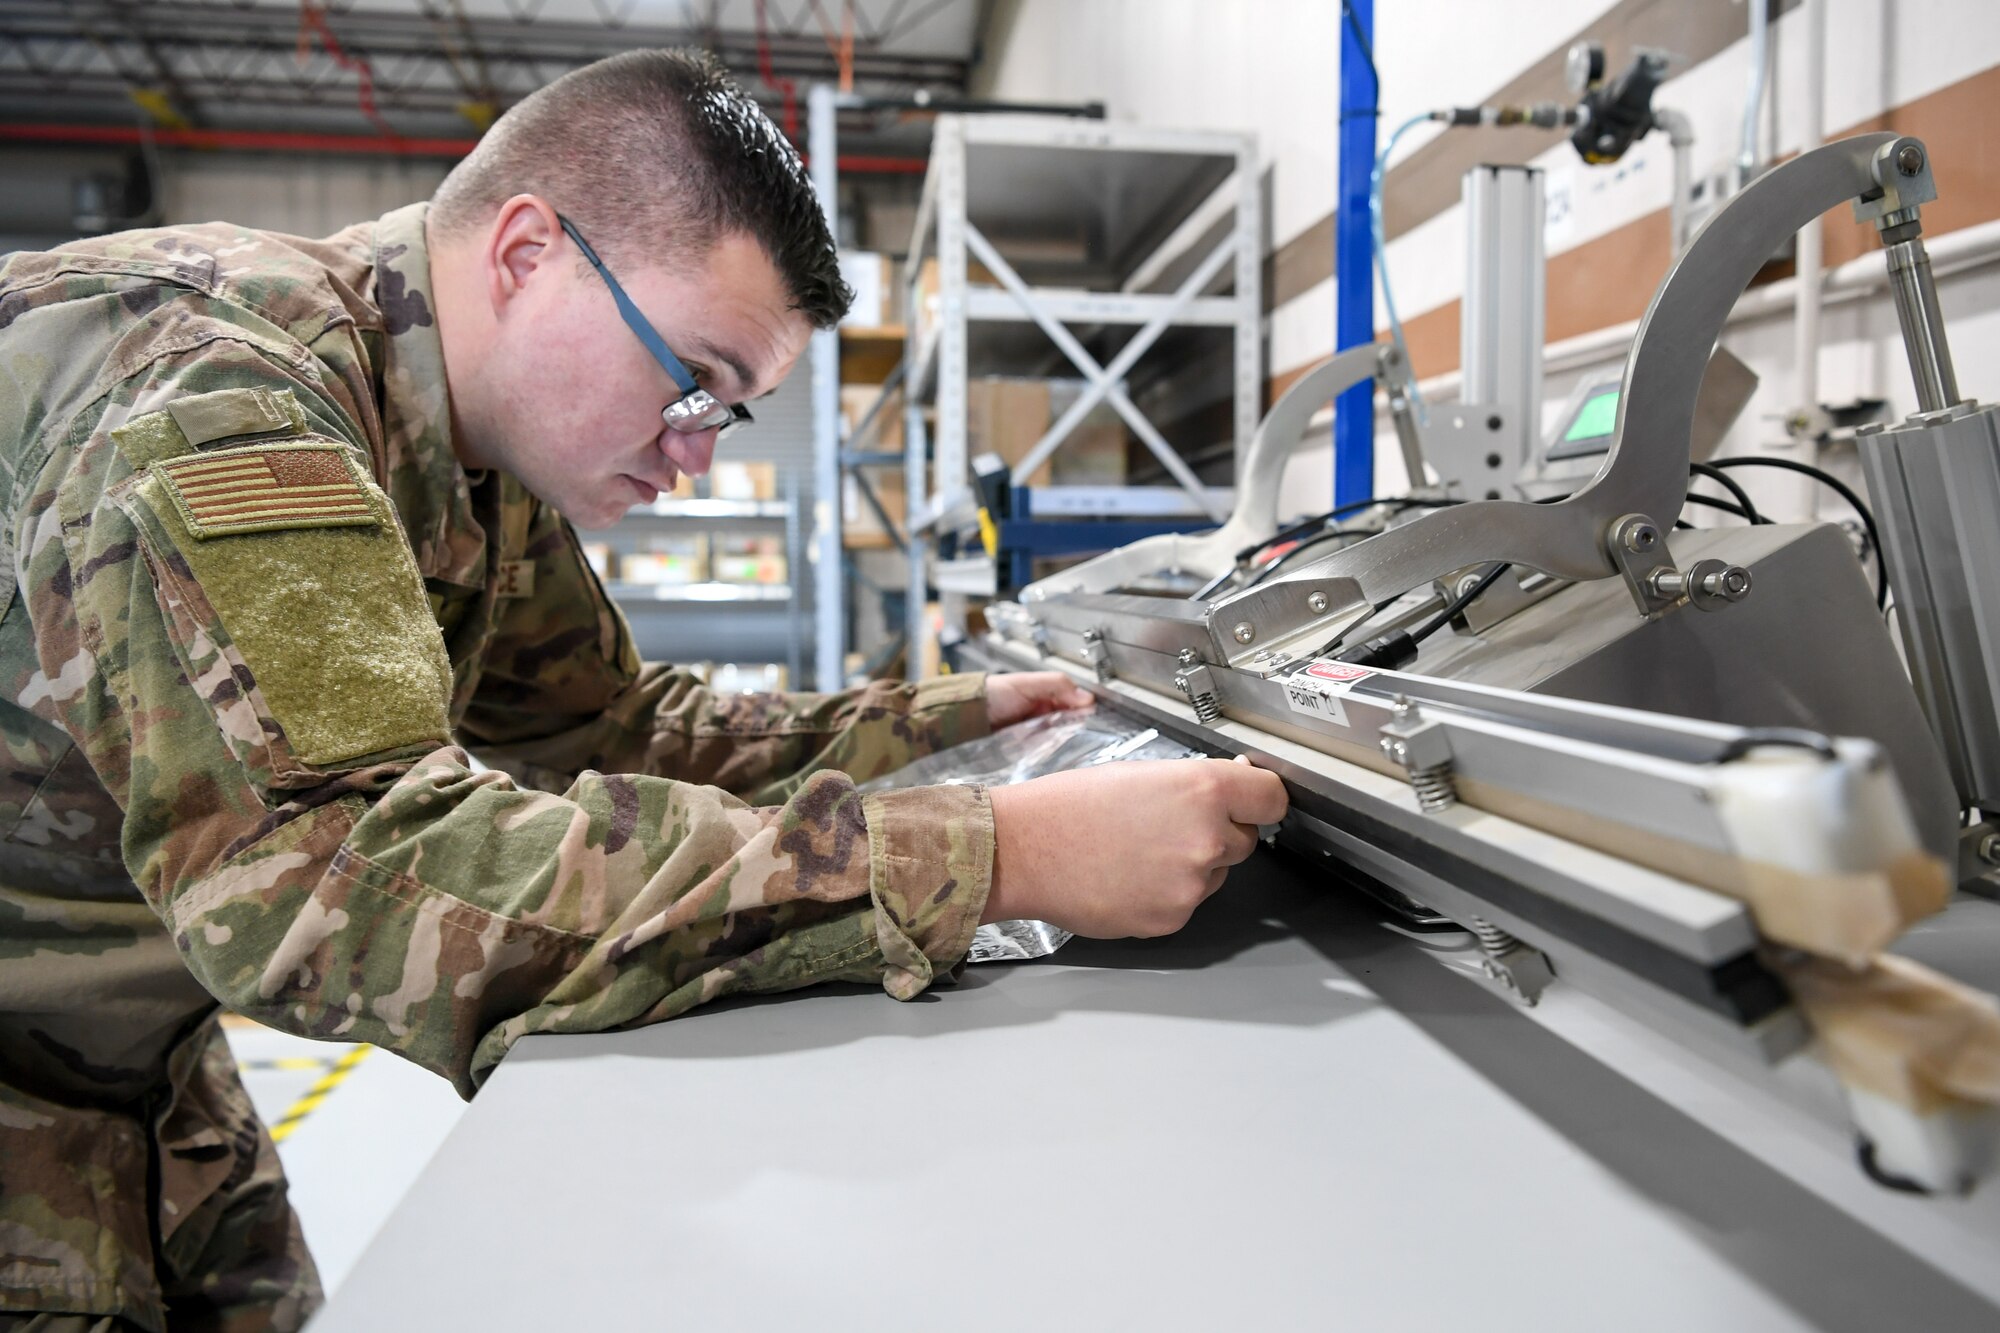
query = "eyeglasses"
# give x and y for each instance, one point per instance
(696, 410)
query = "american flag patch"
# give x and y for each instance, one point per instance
(265, 488)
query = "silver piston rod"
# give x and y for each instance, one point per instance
(1923, 324)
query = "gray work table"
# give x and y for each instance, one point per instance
(1285, 1117)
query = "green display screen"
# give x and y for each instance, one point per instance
(1595, 418)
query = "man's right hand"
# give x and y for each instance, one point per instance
(1126, 848)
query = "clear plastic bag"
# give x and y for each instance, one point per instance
(1052, 744)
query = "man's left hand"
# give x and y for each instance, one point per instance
(1018, 696)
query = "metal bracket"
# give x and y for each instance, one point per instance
(1639, 551)
(1902, 171)
(1519, 969)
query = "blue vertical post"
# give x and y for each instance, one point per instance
(1353, 277)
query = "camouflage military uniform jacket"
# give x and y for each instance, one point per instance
(253, 607)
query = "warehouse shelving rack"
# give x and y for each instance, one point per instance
(1108, 226)
(717, 621)
(1159, 218)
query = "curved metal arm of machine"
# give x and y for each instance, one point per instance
(1255, 518)
(1645, 473)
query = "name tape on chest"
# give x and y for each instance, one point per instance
(1315, 689)
(267, 488)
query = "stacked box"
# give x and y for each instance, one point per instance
(749, 560)
(1009, 416)
(666, 562)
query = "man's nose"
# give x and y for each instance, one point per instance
(691, 452)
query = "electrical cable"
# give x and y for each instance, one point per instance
(1305, 525)
(1730, 484)
(1458, 604)
(1845, 492)
(1711, 502)
(1301, 528)
(1398, 648)
(1265, 571)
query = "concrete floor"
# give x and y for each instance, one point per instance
(355, 1155)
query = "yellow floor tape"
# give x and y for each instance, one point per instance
(318, 1093)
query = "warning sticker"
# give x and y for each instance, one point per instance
(1315, 689)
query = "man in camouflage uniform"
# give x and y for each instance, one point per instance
(260, 584)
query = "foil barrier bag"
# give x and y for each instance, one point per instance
(1032, 749)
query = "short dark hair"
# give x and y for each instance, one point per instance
(657, 154)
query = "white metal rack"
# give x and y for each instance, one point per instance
(1108, 225)
(729, 622)
(1153, 221)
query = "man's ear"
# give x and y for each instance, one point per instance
(523, 240)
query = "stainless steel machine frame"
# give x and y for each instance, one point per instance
(1382, 764)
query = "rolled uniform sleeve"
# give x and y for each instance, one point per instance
(336, 879)
(562, 691)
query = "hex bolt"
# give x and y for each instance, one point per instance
(1731, 584)
(1187, 657)
(1466, 585)
(1909, 159)
(1640, 538)
(1989, 849)
(1316, 603)
(1244, 632)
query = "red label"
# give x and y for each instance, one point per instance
(1344, 673)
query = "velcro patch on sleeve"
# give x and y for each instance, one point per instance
(206, 417)
(265, 488)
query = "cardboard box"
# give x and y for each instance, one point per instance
(743, 481)
(925, 315)
(748, 560)
(858, 524)
(1009, 417)
(869, 275)
(886, 435)
(666, 562)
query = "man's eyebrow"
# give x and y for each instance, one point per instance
(727, 358)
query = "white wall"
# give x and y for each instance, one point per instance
(1271, 67)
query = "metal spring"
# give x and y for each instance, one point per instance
(1493, 941)
(1206, 709)
(1434, 788)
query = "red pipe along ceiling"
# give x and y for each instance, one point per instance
(364, 144)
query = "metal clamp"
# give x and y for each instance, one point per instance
(1097, 654)
(1421, 747)
(1197, 682)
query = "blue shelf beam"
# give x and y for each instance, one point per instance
(1354, 282)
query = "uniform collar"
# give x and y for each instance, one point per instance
(425, 481)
